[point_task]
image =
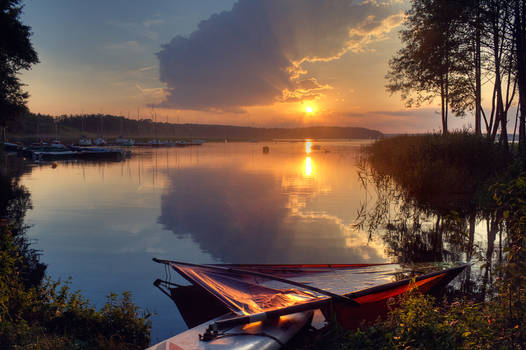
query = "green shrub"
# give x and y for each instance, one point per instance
(51, 316)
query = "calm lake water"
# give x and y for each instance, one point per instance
(102, 223)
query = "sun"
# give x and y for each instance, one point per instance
(308, 109)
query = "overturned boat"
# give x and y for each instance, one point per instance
(264, 306)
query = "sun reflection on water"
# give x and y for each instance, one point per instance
(308, 166)
(308, 145)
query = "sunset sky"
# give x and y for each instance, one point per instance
(241, 62)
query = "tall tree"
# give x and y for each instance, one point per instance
(16, 54)
(432, 62)
(519, 36)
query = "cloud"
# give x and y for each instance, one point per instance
(252, 55)
(156, 94)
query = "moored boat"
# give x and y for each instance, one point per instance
(243, 294)
(83, 141)
(124, 142)
(10, 147)
(99, 142)
(94, 153)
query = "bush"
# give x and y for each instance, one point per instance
(51, 316)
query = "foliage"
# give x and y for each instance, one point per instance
(432, 63)
(29, 127)
(442, 172)
(52, 316)
(496, 322)
(16, 53)
(44, 314)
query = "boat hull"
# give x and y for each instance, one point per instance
(267, 335)
(374, 302)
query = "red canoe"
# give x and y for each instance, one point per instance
(253, 292)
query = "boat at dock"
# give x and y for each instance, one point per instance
(48, 151)
(10, 147)
(83, 141)
(124, 142)
(106, 153)
(222, 302)
(58, 151)
(99, 142)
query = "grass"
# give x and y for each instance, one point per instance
(443, 172)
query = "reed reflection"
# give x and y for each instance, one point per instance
(415, 230)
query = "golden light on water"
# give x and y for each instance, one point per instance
(308, 147)
(308, 166)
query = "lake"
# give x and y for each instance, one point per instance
(102, 223)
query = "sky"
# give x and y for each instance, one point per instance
(270, 63)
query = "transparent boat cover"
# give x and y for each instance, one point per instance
(247, 294)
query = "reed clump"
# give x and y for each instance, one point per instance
(439, 171)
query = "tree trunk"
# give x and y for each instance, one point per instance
(499, 114)
(471, 238)
(478, 89)
(444, 107)
(520, 42)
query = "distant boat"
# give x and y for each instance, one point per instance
(57, 144)
(83, 141)
(197, 142)
(10, 147)
(181, 143)
(156, 143)
(125, 142)
(44, 151)
(100, 142)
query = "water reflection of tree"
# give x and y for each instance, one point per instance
(15, 200)
(423, 230)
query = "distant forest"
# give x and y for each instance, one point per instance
(95, 125)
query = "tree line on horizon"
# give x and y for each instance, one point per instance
(458, 50)
(104, 125)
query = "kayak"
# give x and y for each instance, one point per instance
(226, 297)
(258, 335)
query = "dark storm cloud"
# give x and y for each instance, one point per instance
(251, 55)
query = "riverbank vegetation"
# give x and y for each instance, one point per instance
(39, 313)
(459, 182)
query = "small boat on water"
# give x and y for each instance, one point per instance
(99, 142)
(83, 141)
(10, 147)
(242, 306)
(52, 151)
(196, 142)
(124, 142)
(102, 153)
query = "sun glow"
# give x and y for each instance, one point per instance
(309, 109)
(308, 166)
(308, 146)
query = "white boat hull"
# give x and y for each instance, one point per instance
(267, 335)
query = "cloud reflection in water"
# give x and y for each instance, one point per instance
(242, 216)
